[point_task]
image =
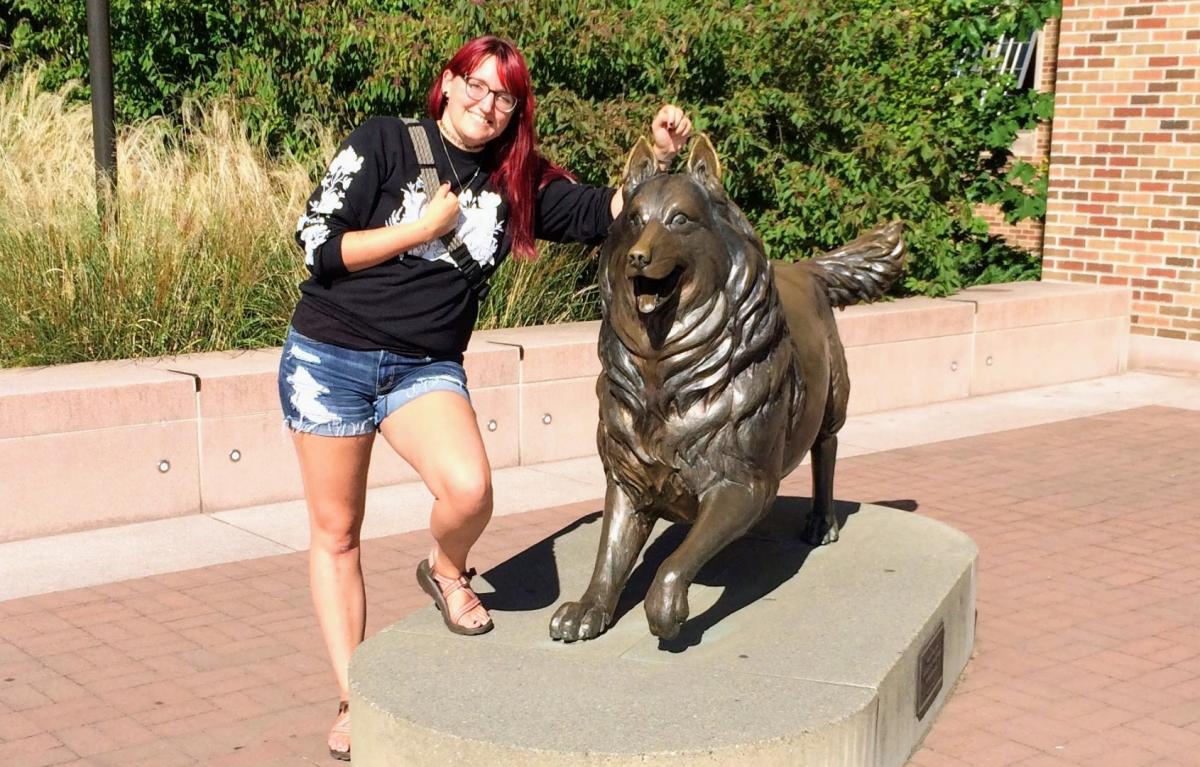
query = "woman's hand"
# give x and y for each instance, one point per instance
(441, 213)
(670, 129)
(365, 248)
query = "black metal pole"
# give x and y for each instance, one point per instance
(104, 137)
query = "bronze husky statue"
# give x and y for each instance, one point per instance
(717, 379)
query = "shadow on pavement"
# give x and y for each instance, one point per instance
(529, 580)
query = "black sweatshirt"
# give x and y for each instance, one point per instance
(417, 303)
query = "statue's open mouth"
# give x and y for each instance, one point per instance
(649, 293)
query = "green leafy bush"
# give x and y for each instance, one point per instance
(831, 115)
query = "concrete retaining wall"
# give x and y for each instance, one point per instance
(102, 443)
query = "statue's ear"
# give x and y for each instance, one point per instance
(639, 166)
(703, 163)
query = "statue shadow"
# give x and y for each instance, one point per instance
(529, 580)
(746, 571)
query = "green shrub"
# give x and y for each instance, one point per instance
(831, 115)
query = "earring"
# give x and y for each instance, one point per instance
(445, 94)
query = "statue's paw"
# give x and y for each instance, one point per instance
(818, 533)
(831, 535)
(666, 609)
(578, 620)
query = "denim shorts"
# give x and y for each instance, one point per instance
(333, 391)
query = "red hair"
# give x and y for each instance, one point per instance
(520, 170)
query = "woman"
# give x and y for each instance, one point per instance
(377, 338)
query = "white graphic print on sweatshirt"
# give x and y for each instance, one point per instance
(477, 226)
(311, 227)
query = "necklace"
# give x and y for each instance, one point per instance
(461, 186)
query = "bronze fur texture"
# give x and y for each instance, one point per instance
(721, 370)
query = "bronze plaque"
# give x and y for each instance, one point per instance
(930, 670)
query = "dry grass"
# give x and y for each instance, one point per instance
(202, 256)
(559, 287)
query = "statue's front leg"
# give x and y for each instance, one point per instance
(726, 512)
(622, 536)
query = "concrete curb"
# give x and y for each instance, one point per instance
(105, 443)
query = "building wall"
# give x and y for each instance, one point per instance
(1124, 198)
(1032, 146)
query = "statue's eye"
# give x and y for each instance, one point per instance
(679, 219)
(637, 218)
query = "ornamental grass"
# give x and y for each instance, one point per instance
(199, 255)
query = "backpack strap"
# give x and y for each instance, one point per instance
(471, 269)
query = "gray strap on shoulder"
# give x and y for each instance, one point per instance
(471, 269)
(420, 140)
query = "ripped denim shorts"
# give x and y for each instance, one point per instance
(333, 391)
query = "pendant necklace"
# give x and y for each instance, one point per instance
(474, 203)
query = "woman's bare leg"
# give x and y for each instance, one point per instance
(334, 470)
(438, 435)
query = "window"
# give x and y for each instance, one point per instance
(1018, 58)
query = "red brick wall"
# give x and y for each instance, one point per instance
(1124, 200)
(1026, 234)
(1032, 148)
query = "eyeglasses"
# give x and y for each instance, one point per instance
(477, 90)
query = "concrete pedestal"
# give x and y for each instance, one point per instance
(793, 656)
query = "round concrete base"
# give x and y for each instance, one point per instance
(793, 656)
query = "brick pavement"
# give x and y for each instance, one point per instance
(1087, 653)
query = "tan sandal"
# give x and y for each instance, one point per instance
(341, 726)
(440, 587)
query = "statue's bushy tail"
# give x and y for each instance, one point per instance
(864, 269)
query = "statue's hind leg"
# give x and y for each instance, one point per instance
(822, 525)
